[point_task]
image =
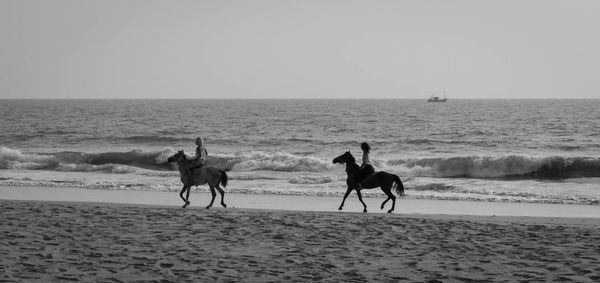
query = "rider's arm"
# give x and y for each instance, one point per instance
(200, 153)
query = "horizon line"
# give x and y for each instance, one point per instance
(424, 99)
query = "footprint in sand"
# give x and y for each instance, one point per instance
(166, 265)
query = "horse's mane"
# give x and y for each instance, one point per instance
(184, 157)
(351, 162)
(351, 158)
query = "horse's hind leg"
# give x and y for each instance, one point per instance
(214, 194)
(392, 197)
(388, 193)
(222, 195)
(183, 198)
(361, 200)
(386, 200)
(393, 204)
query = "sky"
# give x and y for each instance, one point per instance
(146, 49)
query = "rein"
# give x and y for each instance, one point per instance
(183, 160)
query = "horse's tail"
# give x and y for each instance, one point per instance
(399, 185)
(223, 178)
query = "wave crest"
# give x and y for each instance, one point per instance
(513, 166)
(111, 162)
(280, 161)
(138, 161)
(132, 161)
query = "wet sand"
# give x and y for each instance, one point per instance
(302, 203)
(84, 241)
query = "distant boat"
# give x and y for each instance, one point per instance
(437, 98)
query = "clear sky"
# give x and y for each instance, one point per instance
(299, 49)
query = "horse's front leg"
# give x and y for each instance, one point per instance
(345, 196)
(361, 200)
(185, 187)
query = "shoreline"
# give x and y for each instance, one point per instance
(439, 209)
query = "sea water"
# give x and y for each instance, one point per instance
(545, 151)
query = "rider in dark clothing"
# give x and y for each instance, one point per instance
(366, 169)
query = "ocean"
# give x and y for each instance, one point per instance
(538, 151)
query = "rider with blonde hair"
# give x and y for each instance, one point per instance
(200, 157)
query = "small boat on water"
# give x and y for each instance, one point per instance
(437, 98)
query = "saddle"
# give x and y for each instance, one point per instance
(192, 169)
(192, 176)
(367, 177)
(366, 172)
(196, 166)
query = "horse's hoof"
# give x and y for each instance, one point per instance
(364, 210)
(208, 207)
(340, 208)
(224, 205)
(184, 206)
(390, 211)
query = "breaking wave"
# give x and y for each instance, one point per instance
(155, 163)
(133, 161)
(110, 162)
(503, 167)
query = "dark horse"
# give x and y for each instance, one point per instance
(200, 176)
(380, 179)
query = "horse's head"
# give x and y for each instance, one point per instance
(345, 158)
(179, 156)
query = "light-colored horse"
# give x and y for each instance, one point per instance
(202, 175)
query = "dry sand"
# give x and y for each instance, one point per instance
(69, 241)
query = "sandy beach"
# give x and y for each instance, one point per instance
(84, 241)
